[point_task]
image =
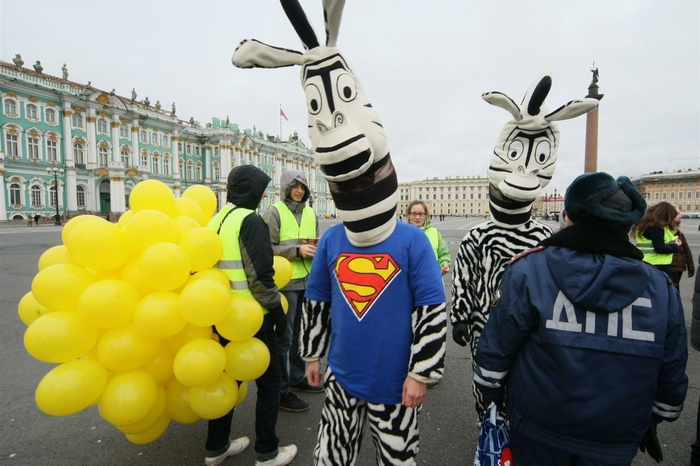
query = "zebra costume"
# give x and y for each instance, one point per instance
(523, 163)
(386, 301)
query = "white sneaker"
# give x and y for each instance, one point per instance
(234, 448)
(285, 455)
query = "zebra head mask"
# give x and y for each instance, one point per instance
(346, 132)
(525, 155)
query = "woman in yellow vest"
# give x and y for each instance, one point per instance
(419, 216)
(655, 237)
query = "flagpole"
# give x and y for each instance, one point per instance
(280, 117)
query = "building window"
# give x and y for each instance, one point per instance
(196, 151)
(123, 131)
(79, 154)
(52, 150)
(198, 172)
(155, 165)
(166, 166)
(35, 194)
(10, 107)
(53, 197)
(154, 139)
(15, 194)
(50, 115)
(125, 158)
(144, 136)
(144, 159)
(188, 149)
(80, 196)
(32, 147)
(32, 113)
(166, 141)
(181, 167)
(189, 172)
(12, 145)
(103, 156)
(77, 120)
(179, 147)
(102, 126)
(216, 172)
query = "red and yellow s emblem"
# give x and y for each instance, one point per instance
(363, 278)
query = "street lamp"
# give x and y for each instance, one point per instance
(55, 172)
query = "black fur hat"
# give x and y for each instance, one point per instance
(599, 199)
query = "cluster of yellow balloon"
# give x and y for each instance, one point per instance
(127, 310)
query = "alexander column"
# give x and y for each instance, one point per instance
(590, 164)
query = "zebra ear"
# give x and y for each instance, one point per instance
(499, 99)
(252, 53)
(332, 12)
(572, 109)
(295, 14)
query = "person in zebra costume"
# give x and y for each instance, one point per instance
(375, 302)
(523, 162)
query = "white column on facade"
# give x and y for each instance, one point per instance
(117, 198)
(67, 139)
(226, 159)
(177, 176)
(72, 189)
(278, 168)
(3, 188)
(90, 120)
(135, 142)
(207, 163)
(116, 156)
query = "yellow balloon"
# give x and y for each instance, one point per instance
(70, 224)
(215, 399)
(128, 398)
(199, 362)
(152, 433)
(151, 418)
(161, 366)
(285, 303)
(187, 334)
(204, 197)
(149, 227)
(125, 348)
(158, 315)
(189, 208)
(98, 244)
(153, 195)
(283, 271)
(71, 387)
(185, 224)
(55, 255)
(177, 403)
(130, 274)
(204, 302)
(246, 360)
(108, 303)
(242, 393)
(124, 218)
(59, 337)
(203, 246)
(59, 286)
(29, 309)
(242, 321)
(211, 274)
(164, 266)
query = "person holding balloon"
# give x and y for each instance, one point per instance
(293, 232)
(247, 261)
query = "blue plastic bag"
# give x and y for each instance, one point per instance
(494, 446)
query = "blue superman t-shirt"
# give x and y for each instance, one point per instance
(373, 292)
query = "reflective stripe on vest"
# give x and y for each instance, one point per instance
(291, 233)
(433, 237)
(231, 263)
(645, 245)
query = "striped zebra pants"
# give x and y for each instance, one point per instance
(394, 429)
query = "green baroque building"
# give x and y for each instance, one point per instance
(102, 144)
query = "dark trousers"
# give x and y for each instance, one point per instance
(288, 344)
(695, 447)
(266, 405)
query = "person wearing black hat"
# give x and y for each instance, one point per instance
(588, 340)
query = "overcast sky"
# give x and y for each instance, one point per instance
(423, 64)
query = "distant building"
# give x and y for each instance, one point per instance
(451, 196)
(680, 188)
(106, 144)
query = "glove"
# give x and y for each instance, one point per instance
(460, 333)
(650, 443)
(279, 318)
(691, 273)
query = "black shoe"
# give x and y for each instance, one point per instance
(292, 403)
(432, 384)
(306, 388)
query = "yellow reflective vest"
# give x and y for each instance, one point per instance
(644, 244)
(293, 233)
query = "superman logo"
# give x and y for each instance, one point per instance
(363, 278)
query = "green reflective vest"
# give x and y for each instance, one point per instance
(651, 257)
(291, 233)
(231, 263)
